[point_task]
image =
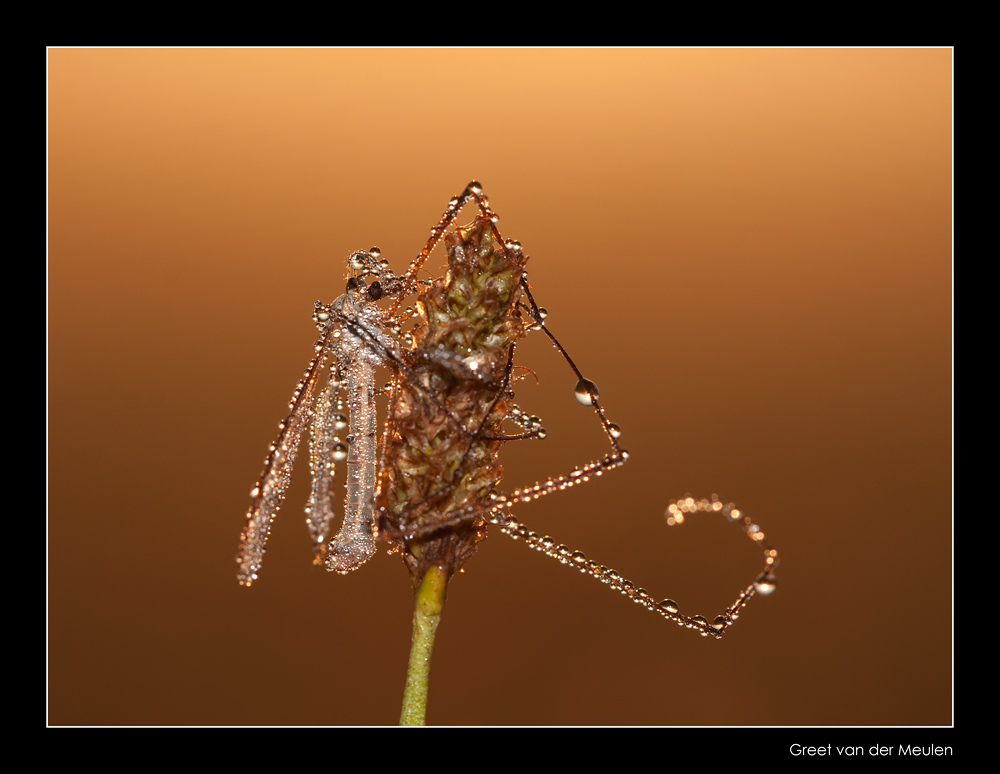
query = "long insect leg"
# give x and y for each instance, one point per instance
(472, 191)
(763, 584)
(586, 393)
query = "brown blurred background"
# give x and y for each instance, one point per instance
(749, 251)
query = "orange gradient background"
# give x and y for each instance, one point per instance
(749, 251)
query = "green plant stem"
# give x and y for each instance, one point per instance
(426, 616)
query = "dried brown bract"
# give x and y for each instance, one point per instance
(438, 476)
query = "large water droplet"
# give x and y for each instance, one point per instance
(339, 452)
(765, 584)
(586, 392)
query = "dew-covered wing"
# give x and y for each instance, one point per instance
(269, 492)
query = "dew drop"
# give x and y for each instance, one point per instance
(616, 432)
(339, 452)
(339, 421)
(668, 605)
(765, 584)
(586, 392)
(475, 187)
(374, 252)
(357, 261)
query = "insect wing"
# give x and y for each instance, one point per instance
(269, 492)
(325, 449)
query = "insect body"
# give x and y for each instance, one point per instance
(431, 490)
(353, 336)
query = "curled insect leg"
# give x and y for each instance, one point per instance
(765, 583)
(668, 608)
